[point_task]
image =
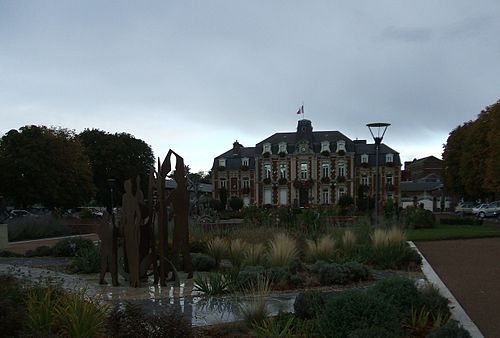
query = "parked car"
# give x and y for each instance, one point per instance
(478, 208)
(491, 210)
(20, 213)
(465, 208)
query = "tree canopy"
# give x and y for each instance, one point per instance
(471, 157)
(44, 165)
(118, 156)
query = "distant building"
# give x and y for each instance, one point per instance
(305, 168)
(422, 184)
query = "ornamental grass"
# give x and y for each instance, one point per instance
(282, 250)
(322, 249)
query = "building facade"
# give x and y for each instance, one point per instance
(306, 168)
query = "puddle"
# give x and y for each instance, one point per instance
(200, 310)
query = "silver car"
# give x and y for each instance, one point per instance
(490, 210)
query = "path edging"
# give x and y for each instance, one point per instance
(457, 311)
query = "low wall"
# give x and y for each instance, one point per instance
(4, 236)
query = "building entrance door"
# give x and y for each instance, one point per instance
(304, 198)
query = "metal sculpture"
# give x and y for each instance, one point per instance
(143, 247)
(108, 237)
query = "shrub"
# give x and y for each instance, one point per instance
(40, 251)
(217, 248)
(359, 310)
(308, 304)
(282, 250)
(236, 203)
(212, 284)
(249, 275)
(202, 262)
(12, 318)
(255, 254)
(342, 273)
(401, 292)
(237, 251)
(348, 241)
(81, 316)
(197, 246)
(432, 300)
(40, 310)
(24, 228)
(254, 312)
(126, 320)
(461, 221)
(275, 327)
(323, 249)
(417, 218)
(88, 260)
(169, 324)
(12, 311)
(277, 275)
(69, 247)
(450, 330)
(6, 253)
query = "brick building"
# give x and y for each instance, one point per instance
(305, 168)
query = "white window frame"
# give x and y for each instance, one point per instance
(266, 148)
(389, 179)
(222, 162)
(268, 196)
(245, 182)
(325, 146)
(283, 196)
(364, 158)
(325, 169)
(325, 196)
(341, 170)
(365, 180)
(244, 161)
(340, 145)
(304, 170)
(283, 170)
(341, 191)
(267, 170)
(389, 158)
(282, 148)
(223, 182)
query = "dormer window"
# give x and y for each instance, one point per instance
(389, 158)
(266, 148)
(325, 146)
(364, 158)
(244, 162)
(282, 148)
(341, 147)
(222, 162)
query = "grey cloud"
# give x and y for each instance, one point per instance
(407, 34)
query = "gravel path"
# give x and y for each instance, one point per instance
(471, 271)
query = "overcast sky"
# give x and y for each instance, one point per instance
(195, 76)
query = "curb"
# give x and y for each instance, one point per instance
(457, 311)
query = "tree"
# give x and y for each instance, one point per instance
(471, 157)
(118, 156)
(44, 165)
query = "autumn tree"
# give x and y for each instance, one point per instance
(118, 156)
(44, 165)
(471, 157)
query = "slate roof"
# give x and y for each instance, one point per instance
(419, 186)
(317, 137)
(233, 161)
(369, 148)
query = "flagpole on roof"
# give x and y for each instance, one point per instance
(302, 107)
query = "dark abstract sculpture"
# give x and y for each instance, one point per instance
(108, 237)
(145, 248)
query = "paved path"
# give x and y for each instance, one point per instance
(471, 271)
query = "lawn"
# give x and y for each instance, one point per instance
(442, 232)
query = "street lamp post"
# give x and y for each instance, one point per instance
(111, 183)
(377, 130)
